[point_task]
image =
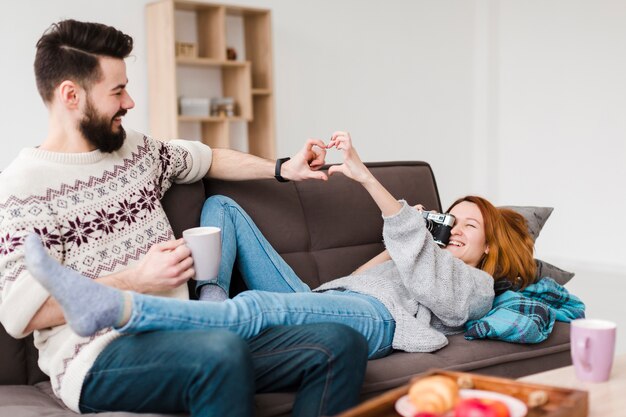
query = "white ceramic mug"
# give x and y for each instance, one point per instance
(593, 347)
(205, 244)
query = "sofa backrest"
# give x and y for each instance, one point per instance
(324, 230)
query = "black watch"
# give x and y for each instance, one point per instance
(279, 163)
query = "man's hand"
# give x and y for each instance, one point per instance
(166, 266)
(306, 163)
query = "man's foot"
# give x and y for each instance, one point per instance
(87, 305)
(212, 292)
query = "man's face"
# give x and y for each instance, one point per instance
(106, 102)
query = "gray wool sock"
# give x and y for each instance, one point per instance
(87, 305)
(212, 292)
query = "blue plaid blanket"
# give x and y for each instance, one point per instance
(527, 316)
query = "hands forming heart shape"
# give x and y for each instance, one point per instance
(307, 163)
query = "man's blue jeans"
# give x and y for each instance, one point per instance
(215, 373)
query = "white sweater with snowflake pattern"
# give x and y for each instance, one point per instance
(97, 213)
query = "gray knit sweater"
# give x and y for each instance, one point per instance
(429, 292)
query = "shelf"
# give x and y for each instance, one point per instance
(261, 91)
(212, 28)
(210, 119)
(195, 6)
(261, 130)
(210, 62)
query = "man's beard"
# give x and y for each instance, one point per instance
(98, 131)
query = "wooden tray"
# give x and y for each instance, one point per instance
(562, 402)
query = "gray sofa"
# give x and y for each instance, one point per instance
(323, 230)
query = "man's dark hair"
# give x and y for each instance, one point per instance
(69, 50)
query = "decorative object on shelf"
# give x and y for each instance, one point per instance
(193, 106)
(186, 50)
(231, 54)
(223, 107)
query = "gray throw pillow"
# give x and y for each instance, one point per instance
(536, 217)
(545, 269)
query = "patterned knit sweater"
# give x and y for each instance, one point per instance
(97, 213)
(429, 292)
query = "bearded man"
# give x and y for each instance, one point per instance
(92, 191)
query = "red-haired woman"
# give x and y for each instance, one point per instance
(409, 297)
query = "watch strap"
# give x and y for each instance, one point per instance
(279, 163)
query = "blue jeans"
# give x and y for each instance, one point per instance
(215, 373)
(261, 267)
(291, 302)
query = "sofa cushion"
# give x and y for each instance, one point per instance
(546, 269)
(468, 355)
(39, 401)
(12, 360)
(536, 218)
(276, 206)
(183, 204)
(29, 401)
(18, 361)
(489, 357)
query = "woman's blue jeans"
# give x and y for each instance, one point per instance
(278, 297)
(261, 267)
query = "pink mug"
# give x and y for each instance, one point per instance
(592, 347)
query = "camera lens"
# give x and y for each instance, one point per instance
(430, 225)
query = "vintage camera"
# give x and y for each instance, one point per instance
(439, 225)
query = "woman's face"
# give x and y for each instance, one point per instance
(467, 239)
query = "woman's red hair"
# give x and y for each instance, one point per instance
(510, 245)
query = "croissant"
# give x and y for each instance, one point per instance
(434, 394)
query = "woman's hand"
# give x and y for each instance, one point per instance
(352, 166)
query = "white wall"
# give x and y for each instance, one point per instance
(560, 126)
(23, 116)
(522, 101)
(562, 123)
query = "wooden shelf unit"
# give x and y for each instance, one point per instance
(249, 79)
